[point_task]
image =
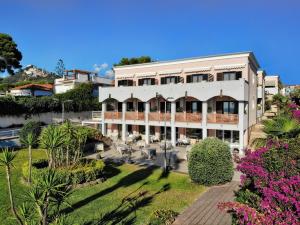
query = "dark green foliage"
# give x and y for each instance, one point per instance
(130, 61)
(85, 171)
(60, 68)
(162, 217)
(30, 127)
(10, 56)
(81, 96)
(210, 162)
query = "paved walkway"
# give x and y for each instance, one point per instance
(204, 210)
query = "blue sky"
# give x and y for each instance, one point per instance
(88, 32)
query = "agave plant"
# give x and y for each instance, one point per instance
(6, 160)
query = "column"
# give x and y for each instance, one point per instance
(124, 130)
(204, 120)
(241, 126)
(147, 127)
(103, 125)
(173, 128)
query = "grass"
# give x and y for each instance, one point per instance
(130, 195)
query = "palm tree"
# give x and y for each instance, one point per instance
(69, 139)
(30, 140)
(52, 138)
(280, 101)
(6, 160)
(49, 191)
(281, 127)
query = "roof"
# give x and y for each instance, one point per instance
(44, 87)
(80, 71)
(249, 53)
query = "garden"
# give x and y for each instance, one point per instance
(50, 182)
(269, 192)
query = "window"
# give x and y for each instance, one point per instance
(170, 80)
(125, 83)
(162, 107)
(130, 107)
(141, 107)
(229, 76)
(193, 106)
(146, 81)
(227, 107)
(195, 78)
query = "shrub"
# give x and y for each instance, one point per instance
(270, 185)
(86, 171)
(162, 217)
(210, 162)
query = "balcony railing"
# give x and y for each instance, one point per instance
(96, 115)
(188, 117)
(113, 115)
(156, 116)
(135, 116)
(222, 118)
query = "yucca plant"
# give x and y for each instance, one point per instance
(52, 139)
(69, 139)
(50, 191)
(6, 160)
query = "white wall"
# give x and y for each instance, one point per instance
(6, 121)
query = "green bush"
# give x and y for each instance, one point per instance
(210, 162)
(86, 171)
(162, 217)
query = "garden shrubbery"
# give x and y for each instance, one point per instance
(81, 96)
(210, 162)
(270, 185)
(162, 217)
(85, 171)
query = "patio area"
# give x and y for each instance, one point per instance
(152, 154)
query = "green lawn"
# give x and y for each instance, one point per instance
(145, 188)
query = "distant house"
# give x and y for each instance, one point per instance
(74, 77)
(272, 85)
(33, 71)
(288, 89)
(33, 90)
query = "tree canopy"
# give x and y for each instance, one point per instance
(60, 68)
(134, 60)
(10, 56)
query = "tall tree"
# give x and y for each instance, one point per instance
(6, 160)
(60, 68)
(10, 56)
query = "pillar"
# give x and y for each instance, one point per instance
(204, 120)
(123, 121)
(173, 128)
(147, 127)
(241, 126)
(103, 125)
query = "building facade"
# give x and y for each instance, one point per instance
(272, 85)
(36, 90)
(74, 77)
(213, 96)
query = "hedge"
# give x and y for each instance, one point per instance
(86, 171)
(210, 162)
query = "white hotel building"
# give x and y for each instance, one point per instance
(212, 96)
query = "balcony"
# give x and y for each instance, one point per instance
(156, 116)
(135, 115)
(188, 117)
(113, 115)
(222, 118)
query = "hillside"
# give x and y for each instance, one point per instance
(29, 74)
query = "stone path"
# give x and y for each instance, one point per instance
(204, 211)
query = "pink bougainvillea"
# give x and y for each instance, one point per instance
(278, 187)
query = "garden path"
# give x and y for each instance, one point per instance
(205, 211)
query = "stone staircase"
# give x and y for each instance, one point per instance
(256, 132)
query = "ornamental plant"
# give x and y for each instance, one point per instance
(270, 190)
(210, 162)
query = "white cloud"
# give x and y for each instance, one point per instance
(109, 73)
(100, 67)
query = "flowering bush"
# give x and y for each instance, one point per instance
(270, 192)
